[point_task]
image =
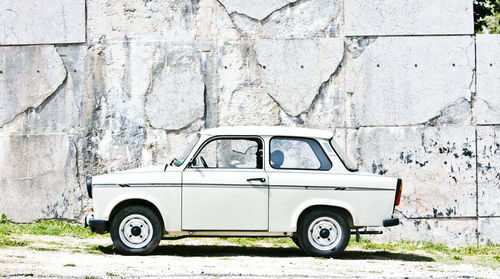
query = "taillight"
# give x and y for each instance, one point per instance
(399, 189)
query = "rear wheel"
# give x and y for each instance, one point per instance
(136, 230)
(323, 232)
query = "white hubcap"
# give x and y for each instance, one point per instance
(324, 233)
(136, 231)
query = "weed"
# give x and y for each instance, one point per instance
(458, 258)
(70, 265)
(110, 274)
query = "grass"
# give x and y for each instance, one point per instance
(47, 227)
(44, 249)
(484, 255)
(5, 241)
(260, 241)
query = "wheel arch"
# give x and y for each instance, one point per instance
(137, 201)
(307, 207)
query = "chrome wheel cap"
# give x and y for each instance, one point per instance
(324, 233)
(136, 231)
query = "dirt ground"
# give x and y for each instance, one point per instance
(62, 257)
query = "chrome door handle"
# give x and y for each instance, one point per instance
(261, 179)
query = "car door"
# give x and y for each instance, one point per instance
(225, 187)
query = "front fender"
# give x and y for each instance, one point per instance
(129, 195)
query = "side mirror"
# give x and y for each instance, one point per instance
(193, 162)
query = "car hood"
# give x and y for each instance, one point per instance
(152, 175)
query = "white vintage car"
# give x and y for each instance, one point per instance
(245, 181)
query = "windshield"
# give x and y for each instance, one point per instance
(187, 150)
(350, 165)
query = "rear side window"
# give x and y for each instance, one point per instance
(298, 153)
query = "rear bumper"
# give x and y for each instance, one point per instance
(391, 222)
(96, 226)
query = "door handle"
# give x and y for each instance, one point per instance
(261, 179)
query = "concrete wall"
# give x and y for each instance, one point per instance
(90, 87)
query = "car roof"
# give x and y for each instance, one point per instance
(267, 131)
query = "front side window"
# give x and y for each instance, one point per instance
(230, 153)
(298, 153)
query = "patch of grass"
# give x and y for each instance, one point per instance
(69, 265)
(484, 255)
(110, 274)
(5, 241)
(93, 249)
(260, 241)
(44, 249)
(45, 227)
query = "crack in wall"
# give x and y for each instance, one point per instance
(291, 3)
(41, 106)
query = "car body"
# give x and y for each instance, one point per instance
(245, 181)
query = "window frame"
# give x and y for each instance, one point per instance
(303, 138)
(209, 140)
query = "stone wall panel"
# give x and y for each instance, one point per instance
(410, 80)
(453, 232)
(408, 17)
(26, 22)
(488, 79)
(488, 230)
(301, 20)
(488, 170)
(39, 177)
(28, 75)
(437, 165)
(294, 70)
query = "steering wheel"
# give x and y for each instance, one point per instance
(203, 162)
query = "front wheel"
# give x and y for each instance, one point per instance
(136, 230)
(324, 233)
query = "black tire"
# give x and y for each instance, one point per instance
(296, 241)
(127, 240)
(329, 232)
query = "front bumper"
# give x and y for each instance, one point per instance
(96, 226)
(391, 222)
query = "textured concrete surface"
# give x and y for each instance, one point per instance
(24, 22)
(488, 230)
(149, 74)
(488, 176)
(29, 76)
(408, 17)
(294, 70)
(454, 232)
(39, 177)
(255, 9)
(437, 164)
(488, 79)
(393, 79)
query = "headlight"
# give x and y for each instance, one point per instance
(89, 186)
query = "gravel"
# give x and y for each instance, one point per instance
(63, 257)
